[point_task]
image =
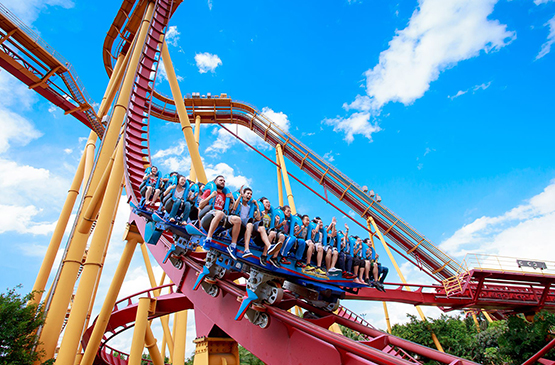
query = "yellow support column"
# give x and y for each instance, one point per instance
(163, 320)
(144, 309)
(401, 276)
(279, 181)
(286, 180)
(93, 263)
(180, 337)
(115, 80)
(150, 344)
(476, 321)
(216, 350)
(193, 175)
(132, 236)
(89, 159)
(61, 294)
(487, 316)
(95, 202)
(183, 116)
(387, 317)
(57, 235)
(91, 303)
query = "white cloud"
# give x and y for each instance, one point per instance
(25, 189)
(481, 86)
(474, 89)
(19, 219)
(174, 158)
(329, 156)
(210, 4)
(440, 34)
(174, 150)
(546, 47)
(15, 129)
(207, 62)
(226, 140)
(231, 180)
(459, 93)
(162, 74)
(28, 10)
(538, 2)
(526, 231)
(172, 35)
(27, 185)
(357, 123)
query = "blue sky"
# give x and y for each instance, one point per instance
(444, 108)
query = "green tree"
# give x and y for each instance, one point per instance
(487, 344)
(458, 337)
(522, 339)
(18, 325)
(352, 334)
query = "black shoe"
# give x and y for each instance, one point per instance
(263, 260)
(274, 262)
(379, 286)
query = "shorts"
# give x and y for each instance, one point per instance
(357, 261)
(316, 244)
(244, 229)
(208, 217)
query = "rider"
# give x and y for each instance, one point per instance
(265, 233)
(358, 261)
(316, 243)
(332, 248)
(168, 180)
(245, 208)
(301, 234)
(212, 212)
(177, 207)
(286, 239)
(150, 185)
(372, 265)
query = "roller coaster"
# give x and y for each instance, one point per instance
(132, 52)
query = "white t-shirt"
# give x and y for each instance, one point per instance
(244, 213)
(178, 194)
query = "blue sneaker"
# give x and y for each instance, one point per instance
(232, 251)
(272, 249)
(247, 253)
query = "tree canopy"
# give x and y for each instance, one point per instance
(18, 325)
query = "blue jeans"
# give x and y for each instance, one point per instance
(382, 272)
(289, 244)
(345, 262)
(176, 206)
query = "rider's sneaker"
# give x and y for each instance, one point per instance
(300, 264)
(275, 262)
(232, 251)
(310, 267)
(334, 270)
(247, 253)
(263, 260)
(320, 271)
(273, 248)
(284, 261)
(379, 286)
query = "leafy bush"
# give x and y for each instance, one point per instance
(18, 325)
